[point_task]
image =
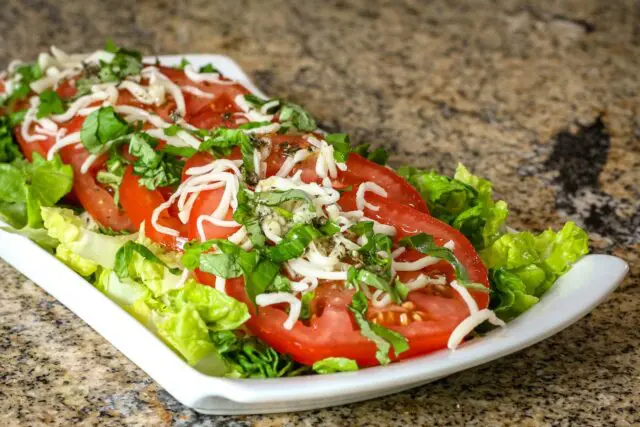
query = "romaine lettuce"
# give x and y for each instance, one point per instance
(81, 248)
(523, 266)
(464, 201)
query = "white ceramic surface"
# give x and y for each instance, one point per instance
(576, 293)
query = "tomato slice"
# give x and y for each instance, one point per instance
(359, 170)
(206, 203)
(430, 314)
(139, 203)
(97, 200)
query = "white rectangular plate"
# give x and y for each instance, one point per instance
(574, 295)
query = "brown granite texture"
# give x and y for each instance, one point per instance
(541, 98)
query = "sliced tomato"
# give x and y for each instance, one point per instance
(358, 170)
(430, 314)
(97, 200)
(206, 203)
(139, 203)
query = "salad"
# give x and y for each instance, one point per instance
(251, 242)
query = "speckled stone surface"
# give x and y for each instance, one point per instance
(542, 99)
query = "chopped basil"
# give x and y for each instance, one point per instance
(278, 197)
(179, 151)
(246, 215)
(425, 244)
(223, 140)
(293, 244)
(341, 146)
(155, 168)
(208, 68)
(294, 115)
(50, 103)
(257, 281)
(379, 155)
(183, 63)
(255, 101)
(102, 126)
(307, 298)
(28, 74)
(172, 130)
(331, 365)
(280, 284)
(383, 338)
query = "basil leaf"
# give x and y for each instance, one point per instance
(223, 140)
(194, 255)
(307, 298)
(50, 103)
(331, 365)
(257, 281)
(246, 215)
(341, 146)
(294, 115)
(208, 68)
(280, 284)
(183, 63)
(179, 151)
(155, 169)
(382, 337)
(221, 265)
(125, 254)
(425, 244)
(294, 243)
(28, 74)
(255, 101)
(100, 127)
(277, 197)
(253, 125)
(379, 155)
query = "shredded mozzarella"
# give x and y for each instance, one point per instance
(221, 284)
(469, 324)
(197, 77)
(79, 104)
(295, 306)
(305, 268)
(157, 78)
(197, 92)
(466, 296)
(151, 95)
(29, 119)
(251, 113)
(416, 265)
(291, 161)
(62, 141)
(361, 203)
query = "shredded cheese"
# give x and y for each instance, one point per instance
(469, 324)
(295, 306)
(361, 203)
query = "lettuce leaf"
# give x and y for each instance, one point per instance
(523, 266)
(26, 187)
(81, 248)
(464, 201)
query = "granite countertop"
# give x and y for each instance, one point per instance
(542, 99)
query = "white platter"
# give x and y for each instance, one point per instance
(574, 295)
